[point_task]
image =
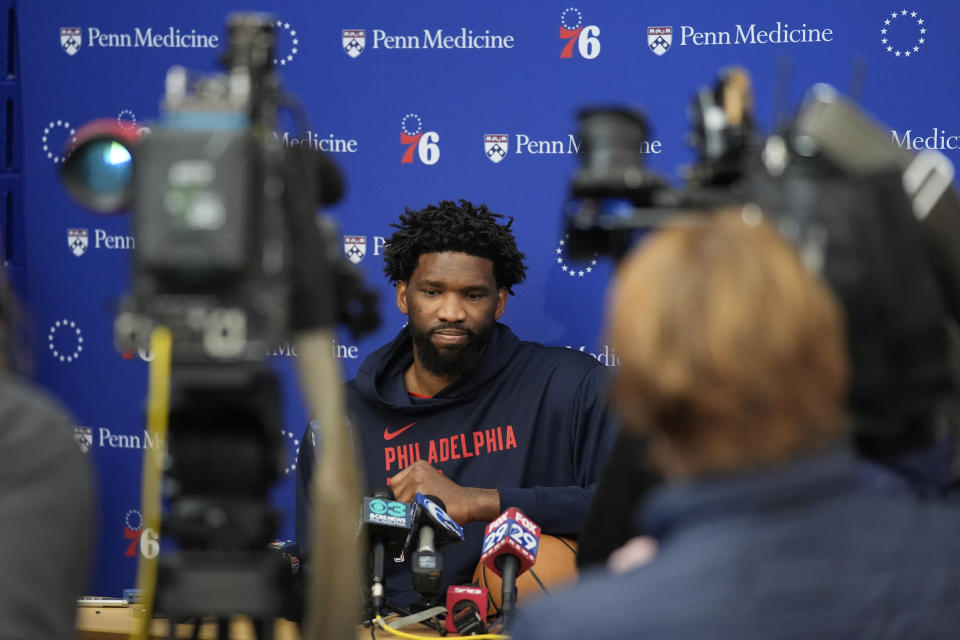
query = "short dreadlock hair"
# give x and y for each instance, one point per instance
(466, 228)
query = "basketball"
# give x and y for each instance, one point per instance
(555, 569)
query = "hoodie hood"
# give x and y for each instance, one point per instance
(380, 378)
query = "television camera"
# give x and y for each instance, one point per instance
(880, 223)
(230, 259)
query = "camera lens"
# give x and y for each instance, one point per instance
(105, 168)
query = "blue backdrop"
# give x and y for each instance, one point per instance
(410, 97)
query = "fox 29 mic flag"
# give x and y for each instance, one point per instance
(511, 534)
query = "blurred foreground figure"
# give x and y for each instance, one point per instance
(735, 370)
(46, 506)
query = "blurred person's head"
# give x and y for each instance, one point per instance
(733, 355)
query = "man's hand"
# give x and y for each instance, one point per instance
(464, 504)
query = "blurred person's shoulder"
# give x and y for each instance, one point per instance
(31, 418)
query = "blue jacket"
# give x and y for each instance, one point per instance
(531, 421)
(799, 551)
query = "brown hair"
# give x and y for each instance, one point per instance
(733, 355)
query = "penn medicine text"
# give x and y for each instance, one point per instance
(102, 239)
(171, 38)
(570, 145)
(938, 139)
(125, 441)
(436, 39)
(781, 34)
(329, 144)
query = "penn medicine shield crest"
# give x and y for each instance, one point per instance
(83, 437)
(78, 240)
(495, 145)
(659, 39)
(355, 247)
(354, 41)
(70, 39)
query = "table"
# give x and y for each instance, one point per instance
(115, 623)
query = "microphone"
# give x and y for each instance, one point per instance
(467, 607)
(433, 528)
(510, 548)
(387, 523)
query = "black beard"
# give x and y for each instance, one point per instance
(450, 362)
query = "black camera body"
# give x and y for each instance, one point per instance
(213, 260)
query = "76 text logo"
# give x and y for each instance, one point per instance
(142, 539)
(586, 38)
(424, 143)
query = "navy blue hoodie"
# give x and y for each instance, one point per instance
(531, 421)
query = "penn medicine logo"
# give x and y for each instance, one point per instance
(424, 144)
(355, 247)
(84, 438)
(354, 41)
(584, 38)
(660, 39)
(495, 146)
(72, 39)
(903, 33)
(78, 240)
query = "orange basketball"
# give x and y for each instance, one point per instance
(555, 569)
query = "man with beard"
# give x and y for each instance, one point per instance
(458, 407)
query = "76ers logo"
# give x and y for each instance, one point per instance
(416, 140)
(586, 38)
(143, 538)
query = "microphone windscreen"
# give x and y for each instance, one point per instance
(429, 510)
(437, 501)
(382, 516)
(556, 569)
(457, 596)
(511, 534)
(383, 492)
